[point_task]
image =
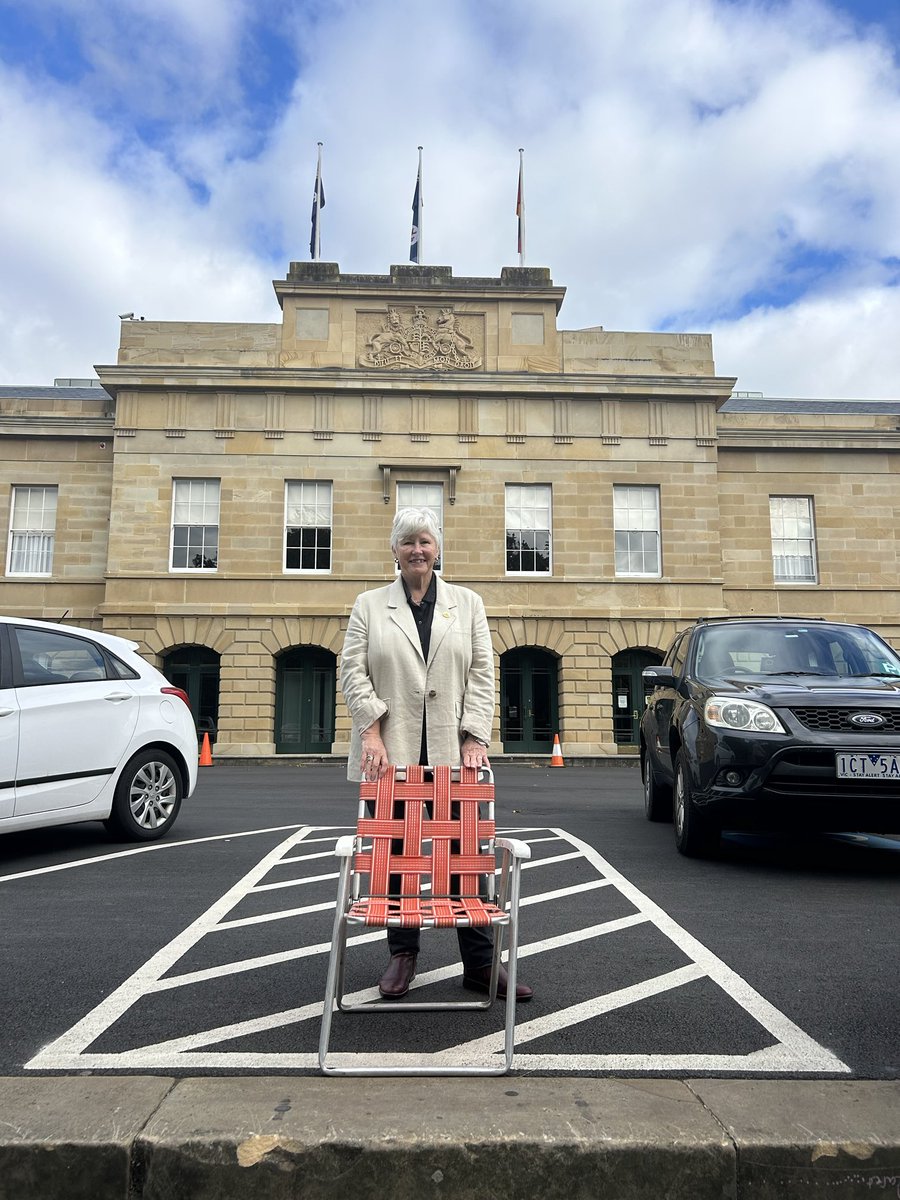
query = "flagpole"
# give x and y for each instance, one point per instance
(415, 238)
(421, 205)
(318, 204)
(520, 207)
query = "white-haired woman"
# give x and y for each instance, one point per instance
(417, 673)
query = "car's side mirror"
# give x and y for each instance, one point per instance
(658, 677)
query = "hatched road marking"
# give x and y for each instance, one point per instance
(792, 1051)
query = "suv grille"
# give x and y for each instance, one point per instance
(837, 720)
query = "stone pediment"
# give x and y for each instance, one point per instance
(419, 338)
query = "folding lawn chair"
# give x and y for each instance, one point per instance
(453, 809)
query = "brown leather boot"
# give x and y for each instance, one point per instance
(480, 981)
(400, 973)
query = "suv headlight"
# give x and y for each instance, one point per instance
(731, 712)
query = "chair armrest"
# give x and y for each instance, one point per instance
(344, 846)
(513, 846)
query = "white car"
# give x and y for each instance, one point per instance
(89, 731)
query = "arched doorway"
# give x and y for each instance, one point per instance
(195, 669)
(304, 701)
(529, 701)
(628, 693)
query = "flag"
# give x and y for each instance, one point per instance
(520, 209)
(415, 242)
(317, 204)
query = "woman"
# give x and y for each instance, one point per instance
(417, 673)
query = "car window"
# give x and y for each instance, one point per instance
(676, 654)
(121, 670)
(51, 657)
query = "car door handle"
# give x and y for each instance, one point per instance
(117, 697)
(7, 712)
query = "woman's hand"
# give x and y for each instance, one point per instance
(374, 760)
(473, 754)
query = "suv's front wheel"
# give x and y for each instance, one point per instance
(696, 835)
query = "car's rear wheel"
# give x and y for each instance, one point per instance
(696, 835)
(147, 797)
(657, 799)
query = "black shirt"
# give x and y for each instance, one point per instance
(423, 613)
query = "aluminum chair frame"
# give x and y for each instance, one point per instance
(368, 854)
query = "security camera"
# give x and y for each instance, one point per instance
(126, 316)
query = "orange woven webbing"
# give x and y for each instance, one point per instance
(455, 827)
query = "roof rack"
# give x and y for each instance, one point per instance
(754, 617)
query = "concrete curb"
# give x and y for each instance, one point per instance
(291, 1137)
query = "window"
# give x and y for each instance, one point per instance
(50, 657)
(195, 525)
(32, 527)
(636, 519)
(527, 529)
(307, 526)
(793, 539)
(429, 496)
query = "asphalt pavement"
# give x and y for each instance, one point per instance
(181, 981)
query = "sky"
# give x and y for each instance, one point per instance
(703, 166)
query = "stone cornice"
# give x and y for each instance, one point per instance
(809, 439)
(414, 282)
(581, 386)
(68, 425)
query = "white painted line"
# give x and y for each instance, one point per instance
(560, 893)
(542, 898)
(545, 862)
(794, 1052)
(295, 858)
(240, 922)
(564, 1018)
(168, 982)
(76, 1040)
(767, 1015)
(103, 858)
(286, 883)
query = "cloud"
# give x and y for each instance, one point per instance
(840, 346)
(703, 164)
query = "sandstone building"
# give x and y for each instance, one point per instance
(228, 490)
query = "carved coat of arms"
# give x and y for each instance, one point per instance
(440, 346)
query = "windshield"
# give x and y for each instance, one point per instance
(734, 650)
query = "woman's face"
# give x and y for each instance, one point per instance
(416, 555)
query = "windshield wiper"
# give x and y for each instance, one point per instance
(820, 674)
(876, 675)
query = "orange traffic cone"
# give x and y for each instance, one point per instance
(205, 752)
(557, 758)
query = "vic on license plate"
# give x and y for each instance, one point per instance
(869, 766)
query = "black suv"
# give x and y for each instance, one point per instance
(772, 723)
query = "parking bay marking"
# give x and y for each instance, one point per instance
(793, 1052)
(168, 845)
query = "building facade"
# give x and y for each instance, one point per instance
(229, 489)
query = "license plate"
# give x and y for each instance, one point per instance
(869, 766)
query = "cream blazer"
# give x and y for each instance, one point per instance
(383, 674)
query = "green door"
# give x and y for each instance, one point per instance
(628, 693)
(195, 669)
(529, 702)
(304, 701)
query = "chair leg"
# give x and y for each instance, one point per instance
(335, 971)
(512, 967)
(334, 980)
